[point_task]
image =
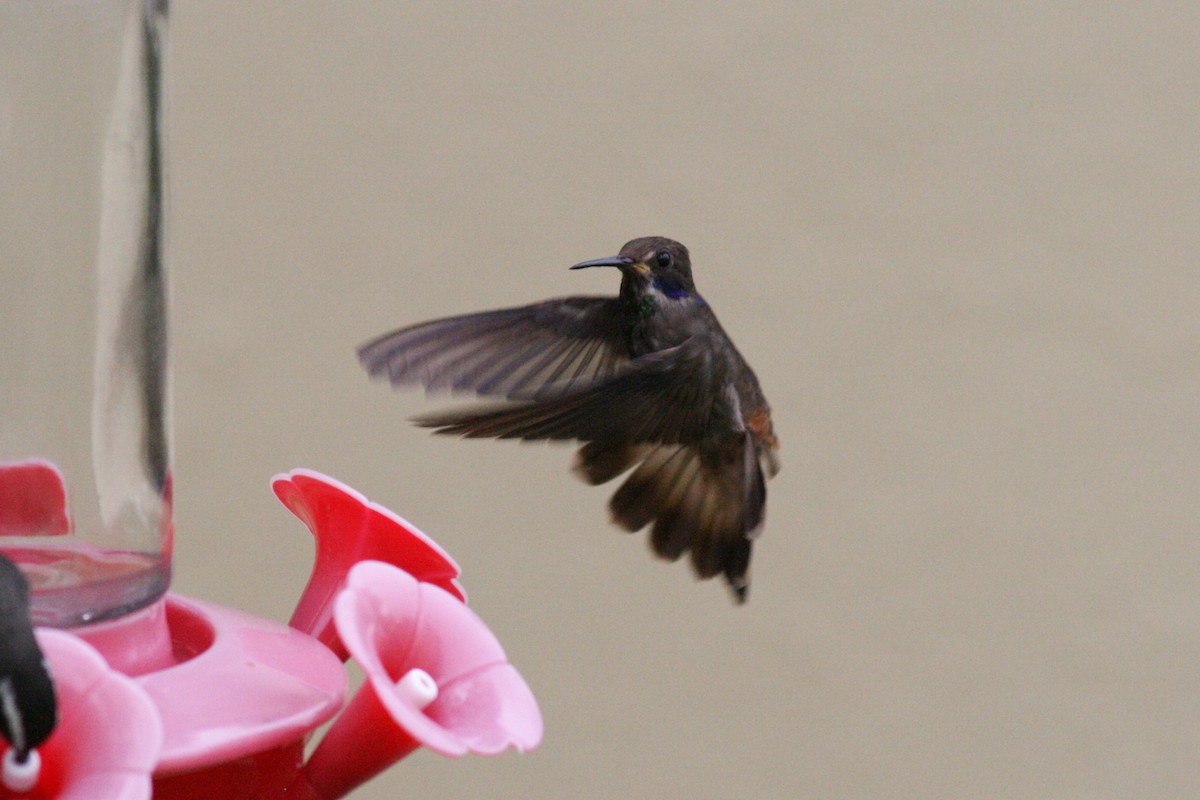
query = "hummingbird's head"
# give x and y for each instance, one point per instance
(652, 260)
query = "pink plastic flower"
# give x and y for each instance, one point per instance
(109, 734)
(435, 676)
(348, 529)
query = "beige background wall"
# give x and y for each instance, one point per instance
(959, 243)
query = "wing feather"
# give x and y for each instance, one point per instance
(565, 343)
(658, 398)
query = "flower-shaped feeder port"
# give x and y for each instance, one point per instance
(348, 529)
(108, 736)
(435, 676)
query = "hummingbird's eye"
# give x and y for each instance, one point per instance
(664, 258)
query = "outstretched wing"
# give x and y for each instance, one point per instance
(662, 397)
(508, 352)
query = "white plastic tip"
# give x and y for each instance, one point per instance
(18, 776)
(418, 687)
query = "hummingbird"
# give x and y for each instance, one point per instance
(647, 380)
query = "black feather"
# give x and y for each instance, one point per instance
(28, 707)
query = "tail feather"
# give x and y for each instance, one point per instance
(675, 526)
(646, 491)
(707, 500)
(600, 462)
(754, 485)
(737, 567)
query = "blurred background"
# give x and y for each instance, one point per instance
(959, 244)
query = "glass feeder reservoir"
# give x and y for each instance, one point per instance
(85, 471)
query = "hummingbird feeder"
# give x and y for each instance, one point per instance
(157, 694)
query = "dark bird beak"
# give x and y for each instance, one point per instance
(611, 261)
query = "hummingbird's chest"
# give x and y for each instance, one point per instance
(653, 322)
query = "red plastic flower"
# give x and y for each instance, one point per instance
(435, 676)
(348, 529)
(109, 734)
(33, 499)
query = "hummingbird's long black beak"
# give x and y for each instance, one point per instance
(611, 261)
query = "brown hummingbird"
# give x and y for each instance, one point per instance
(648, 380)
